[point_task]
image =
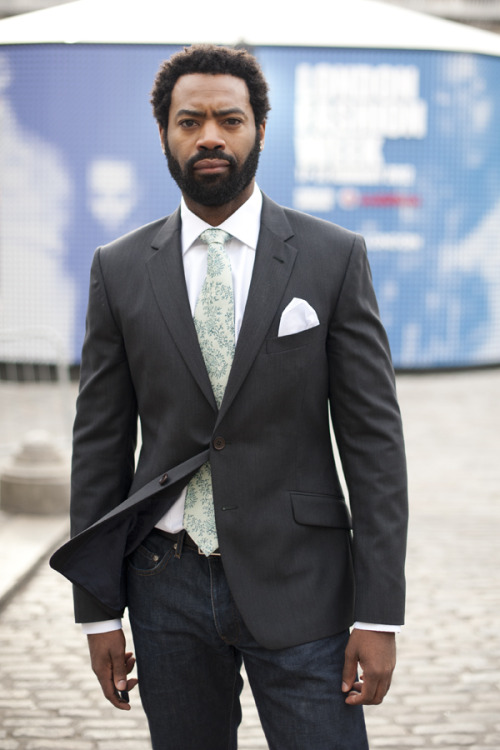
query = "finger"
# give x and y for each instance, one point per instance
(354, 694)
(117, 698)
(349, 672)
(122, 666)
(114, 695)
(378, 684)
(356, 688)
(119, 669)
(122, 696)
(363, 693)
(368, 692)
(383, 688)
(129, 662)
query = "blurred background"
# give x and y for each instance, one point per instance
(383, 120)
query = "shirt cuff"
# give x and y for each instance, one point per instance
(105, 626)
(377, 627)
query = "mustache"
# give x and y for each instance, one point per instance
(211, 154)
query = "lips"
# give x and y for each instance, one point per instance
(211, 166)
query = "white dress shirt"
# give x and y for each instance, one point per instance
(244, 226)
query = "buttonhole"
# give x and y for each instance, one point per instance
(230, 507)
(278, 259)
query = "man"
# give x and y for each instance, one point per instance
(234, 541)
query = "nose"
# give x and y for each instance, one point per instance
(210, 138)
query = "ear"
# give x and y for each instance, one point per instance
(262, 134)
(163, 136)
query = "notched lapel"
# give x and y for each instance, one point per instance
(274, 262)
(166, 273)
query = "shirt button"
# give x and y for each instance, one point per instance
(219, 443)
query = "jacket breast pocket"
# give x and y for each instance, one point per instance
(295, 340)
(320, 510)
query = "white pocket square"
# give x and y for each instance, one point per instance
(297, 316)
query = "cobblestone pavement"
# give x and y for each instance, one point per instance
(446, 691)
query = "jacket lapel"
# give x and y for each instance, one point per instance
(166, 273)
(274, 261)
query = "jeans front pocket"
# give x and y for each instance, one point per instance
(152, 556)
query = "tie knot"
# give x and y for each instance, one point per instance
(215, 237)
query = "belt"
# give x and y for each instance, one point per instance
(182, 539)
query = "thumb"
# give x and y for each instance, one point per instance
(119, 671)
(349, 673)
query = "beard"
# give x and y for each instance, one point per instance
(217, 189)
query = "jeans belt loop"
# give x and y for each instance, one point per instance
(179, 544)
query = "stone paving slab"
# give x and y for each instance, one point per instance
(446, 691)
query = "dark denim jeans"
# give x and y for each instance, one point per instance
(190, 642)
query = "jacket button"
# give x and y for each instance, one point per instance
(164, 479)
(219, 443)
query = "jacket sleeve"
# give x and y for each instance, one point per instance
(105, 429)
(368, 431)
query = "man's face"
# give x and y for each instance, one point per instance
(212, 144)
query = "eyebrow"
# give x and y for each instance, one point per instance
(217, 113)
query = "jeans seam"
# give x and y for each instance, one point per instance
(214, 614)
(233, 696)
(227, 641)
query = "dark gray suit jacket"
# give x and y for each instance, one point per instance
(296, 571)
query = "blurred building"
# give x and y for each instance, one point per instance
(14, 7)
(484, 14)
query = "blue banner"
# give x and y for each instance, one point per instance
(400, 146)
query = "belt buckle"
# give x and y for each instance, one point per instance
(212, 554)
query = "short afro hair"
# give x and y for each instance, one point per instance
(213, 60)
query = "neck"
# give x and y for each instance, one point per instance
(217, 215)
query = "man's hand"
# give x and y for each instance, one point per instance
(112, 664)
(376, 654)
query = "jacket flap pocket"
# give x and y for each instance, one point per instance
(320, 510)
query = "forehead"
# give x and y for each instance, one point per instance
(202, 91)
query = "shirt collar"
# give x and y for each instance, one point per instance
(244, 224)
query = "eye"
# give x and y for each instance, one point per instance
(186, 124)
(233, 121)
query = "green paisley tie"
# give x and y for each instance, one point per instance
(214, 323)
